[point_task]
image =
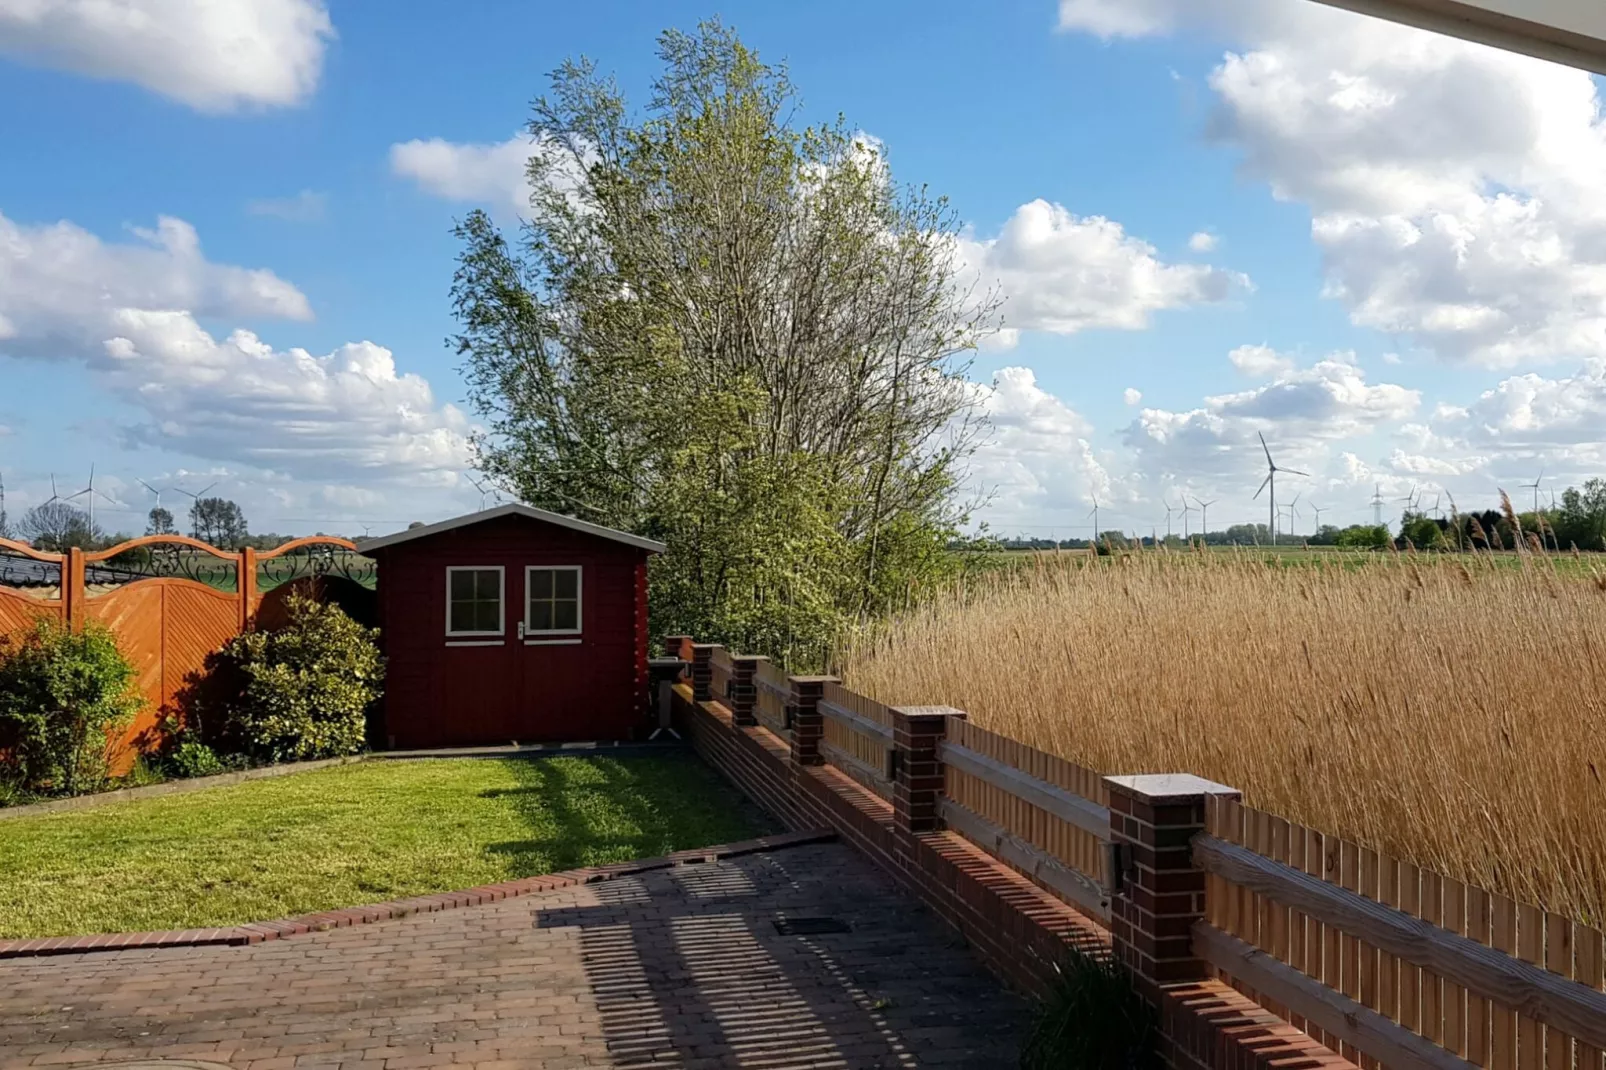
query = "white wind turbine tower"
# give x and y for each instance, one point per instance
(1186, 509)
(1534, 486)
(1293, 512)
(1204, 516)
(1094, 513)
(1271, 481)
(1168, 512)
(1318, 510)
(91, 492)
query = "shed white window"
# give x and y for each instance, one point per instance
(473, 600)
(552, 600)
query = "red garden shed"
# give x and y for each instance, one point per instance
(512, 625)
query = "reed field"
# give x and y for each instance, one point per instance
(1449, 710)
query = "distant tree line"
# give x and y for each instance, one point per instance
(56, 526)
(1577, 521)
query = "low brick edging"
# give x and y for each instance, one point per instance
(1209, 1024)
(260, 931)
(179, 786)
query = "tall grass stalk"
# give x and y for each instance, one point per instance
(1450, 711)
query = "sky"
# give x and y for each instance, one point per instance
(225, 245)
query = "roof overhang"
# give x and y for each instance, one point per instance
(1563, 31)
(527, 511)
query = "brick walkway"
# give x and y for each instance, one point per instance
(681, 967)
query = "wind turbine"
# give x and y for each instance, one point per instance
(479, 487)
(1535, 487)
(1293, 512)
(1168, 512)
(1318, 510)
(1271, 481)
(91, 492)
(1186, 509)
(1204, 516)
(1410, 499)
(1094, 513)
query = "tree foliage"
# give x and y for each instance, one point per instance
(55, 526)
(732, 334)
(61, 693)
(218, 521)
(160, 522)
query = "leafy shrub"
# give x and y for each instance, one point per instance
(192, 759)
(303, 691)
(1093, 1019)
(61, 694)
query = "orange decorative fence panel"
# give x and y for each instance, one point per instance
(166, 626)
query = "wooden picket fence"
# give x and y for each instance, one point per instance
(1385, 963)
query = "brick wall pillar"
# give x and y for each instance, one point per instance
(917, 772)
(1160, 892)
(741, 694)
(702, 670)
(678, 646)
(808, 724)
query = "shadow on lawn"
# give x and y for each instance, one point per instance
(591, 811)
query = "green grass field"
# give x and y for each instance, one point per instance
(351, 835)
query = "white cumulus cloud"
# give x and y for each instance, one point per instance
(1062, 273)
(1203, 241)
(1131, 395)
(213, 55)
(1260, 361)
(1455, 189)
(130, 311)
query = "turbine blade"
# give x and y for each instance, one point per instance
(1293, 472)
(1262, 485)
(1267, 449)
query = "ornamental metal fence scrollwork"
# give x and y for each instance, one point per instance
(317, 561)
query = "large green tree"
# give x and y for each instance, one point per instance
(734, 334)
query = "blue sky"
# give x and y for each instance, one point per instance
(1211, 219)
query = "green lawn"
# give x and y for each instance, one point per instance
(351, 835)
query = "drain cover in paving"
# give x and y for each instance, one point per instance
(811, 926)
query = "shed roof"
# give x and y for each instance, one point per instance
(529, 512)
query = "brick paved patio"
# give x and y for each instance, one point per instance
(680, 967)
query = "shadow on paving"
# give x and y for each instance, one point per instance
(687, 966)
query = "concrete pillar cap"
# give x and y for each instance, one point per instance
(1166, 787)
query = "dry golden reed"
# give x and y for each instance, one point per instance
(1450, 711)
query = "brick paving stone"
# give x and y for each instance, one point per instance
(679, 967)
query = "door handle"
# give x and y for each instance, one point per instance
(521, 629)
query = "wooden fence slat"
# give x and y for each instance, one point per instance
(1454, 897)
(1558, 960)
(1590, 955)
(1479, 1008)
(1354, 1027)
(1371, 878)
(1540, 995)
(1503, 930)
(1410, 892)
(1349, 877)
(1083, 813)
(1530, 948)
(1432, 984)
(1076, 888)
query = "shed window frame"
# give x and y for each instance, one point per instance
(501, 601)
(579, 600)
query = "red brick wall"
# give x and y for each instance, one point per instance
(1015, 927)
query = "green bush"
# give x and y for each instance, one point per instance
(304, 690)
(61, 694)
(191, 759)
(1093, 1019)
